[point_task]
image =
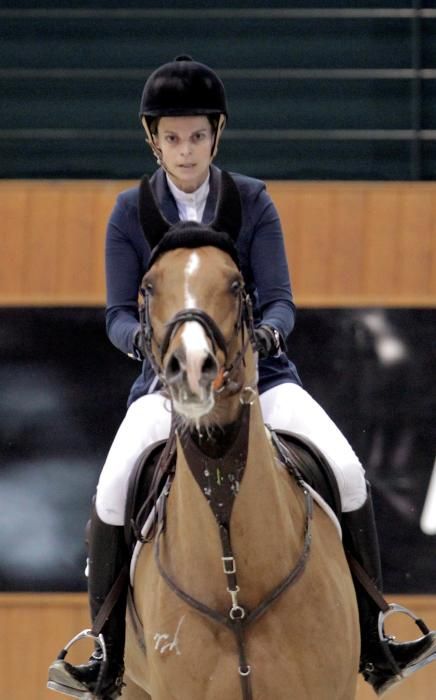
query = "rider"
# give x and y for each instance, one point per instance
(183, 111)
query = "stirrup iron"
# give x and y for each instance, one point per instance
(61, 681)
(395, 608)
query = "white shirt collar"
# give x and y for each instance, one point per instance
(190, 205)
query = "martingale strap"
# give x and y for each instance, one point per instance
(219, 477)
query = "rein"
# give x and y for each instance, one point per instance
(239, 618)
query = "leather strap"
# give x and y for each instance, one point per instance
(110, 601)
(367, 582)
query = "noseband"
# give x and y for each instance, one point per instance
(244, 320)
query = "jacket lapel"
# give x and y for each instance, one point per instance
(214, 186)
(164, 198)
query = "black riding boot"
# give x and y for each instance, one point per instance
(107, 558)
(383, 662)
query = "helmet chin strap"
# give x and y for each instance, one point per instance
(158, 153)
(218, 132)
(149, 140)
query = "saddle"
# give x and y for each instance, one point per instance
(157, 464)
(146, 483)
(311, 464)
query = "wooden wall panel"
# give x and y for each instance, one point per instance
(381, 249)
(416, 225)
(42, 243)
(35, 626)
(13, 212)
(360, 243)
(347, 243)
(53, 236)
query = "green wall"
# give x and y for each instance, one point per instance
(326, 92)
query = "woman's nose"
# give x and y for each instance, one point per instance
(185, 147)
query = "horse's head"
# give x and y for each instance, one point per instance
(197, 314)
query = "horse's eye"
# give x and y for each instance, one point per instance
(147, 288)
(236, 287)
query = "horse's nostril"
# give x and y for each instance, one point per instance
(173, 368)
(209, 367)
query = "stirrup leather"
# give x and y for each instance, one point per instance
(60, 680)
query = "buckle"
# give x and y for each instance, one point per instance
(229, 565)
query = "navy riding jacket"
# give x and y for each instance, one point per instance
(261, 254)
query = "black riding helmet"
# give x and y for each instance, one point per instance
(183, 87)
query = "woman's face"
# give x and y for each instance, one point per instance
(186, 146)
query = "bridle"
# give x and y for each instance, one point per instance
(243, 326)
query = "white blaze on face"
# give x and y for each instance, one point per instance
(193, 335)
(192, 266)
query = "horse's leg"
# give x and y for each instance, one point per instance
(131, 691)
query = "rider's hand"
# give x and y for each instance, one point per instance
(267, 340)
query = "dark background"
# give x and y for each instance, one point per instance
(63, 390)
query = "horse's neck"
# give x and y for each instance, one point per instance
(267, 526)
(266, 498)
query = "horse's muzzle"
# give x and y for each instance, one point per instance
(190, 378)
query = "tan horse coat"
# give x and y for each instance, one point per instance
(306, 645)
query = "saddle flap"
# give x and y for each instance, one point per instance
(313, 467)
(145, 484)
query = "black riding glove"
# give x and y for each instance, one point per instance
(268, 341)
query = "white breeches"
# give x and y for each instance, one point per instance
(286, 407)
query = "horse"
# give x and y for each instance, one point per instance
(244, 591)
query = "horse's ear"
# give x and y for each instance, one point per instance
(228, 217)
(154, 225)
